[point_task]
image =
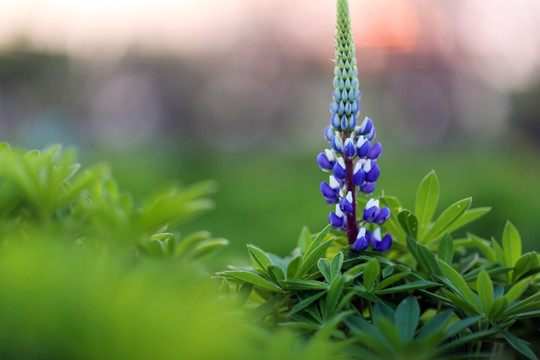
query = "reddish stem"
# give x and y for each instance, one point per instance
(352, 227)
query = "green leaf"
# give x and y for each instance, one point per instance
(428, 260)
(511, 244)
(519, 345)
(304, 285)
(517, 290)
(435, 324)
(305, 303)
(499, 253)
(207, 246)
(371, 272)
(460, 325)
(409, 222)
(406, 316)
(458, 282)
(262, 310)
(468, 217)
(485, 292)
(312, 257)
(243, 293)
(304, 240)
(446, 249)
(275, 272)
(525, 263)
(253, 278)
(427, 198)
(258, 257)
(484, 247)
(391, 280)
(415, 285)
(499, 305)
(324, 267)
(333, 295)
(321, 236)
(451, 214)
(335, 266)
(293, 266)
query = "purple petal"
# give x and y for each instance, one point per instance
(324, 163)
(367, 188)
(375, 151)
(360, 244)
(384, 214)
(349, 149)
(339, 171)
(364, 149)
(327, 191)
(373, 174)
(335, 220)
(384, 244)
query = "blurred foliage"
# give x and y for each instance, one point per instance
(265, 195)
(44, 192)
(60, 303)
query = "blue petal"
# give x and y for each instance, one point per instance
(335, 122)
(324, 163)
(384, 214)
(337, 144)
(327, 191)
(373, 174)
(337, 94)
(367, 188)
(344, 123)
(355, 108)
(339, 171)
(359, 177)
(366, 127)
(371, 134)
(329, 133)
(360, 244)
(363, 149)
(335, 220)
(384, 244)
(375, 151)
(333, 107)
(349, 149)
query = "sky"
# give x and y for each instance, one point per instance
(499, 39)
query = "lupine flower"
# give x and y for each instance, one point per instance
(352, 158)
(377, 243)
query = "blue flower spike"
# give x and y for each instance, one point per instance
(353, 157)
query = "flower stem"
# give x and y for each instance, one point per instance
(352, 226)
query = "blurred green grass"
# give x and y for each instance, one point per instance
(266, 196)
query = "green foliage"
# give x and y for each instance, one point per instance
(430, 297)
(46, 191)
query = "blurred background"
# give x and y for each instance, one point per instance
(238, 91)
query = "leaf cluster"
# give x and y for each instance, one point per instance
(48, 192)
(431, 297)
